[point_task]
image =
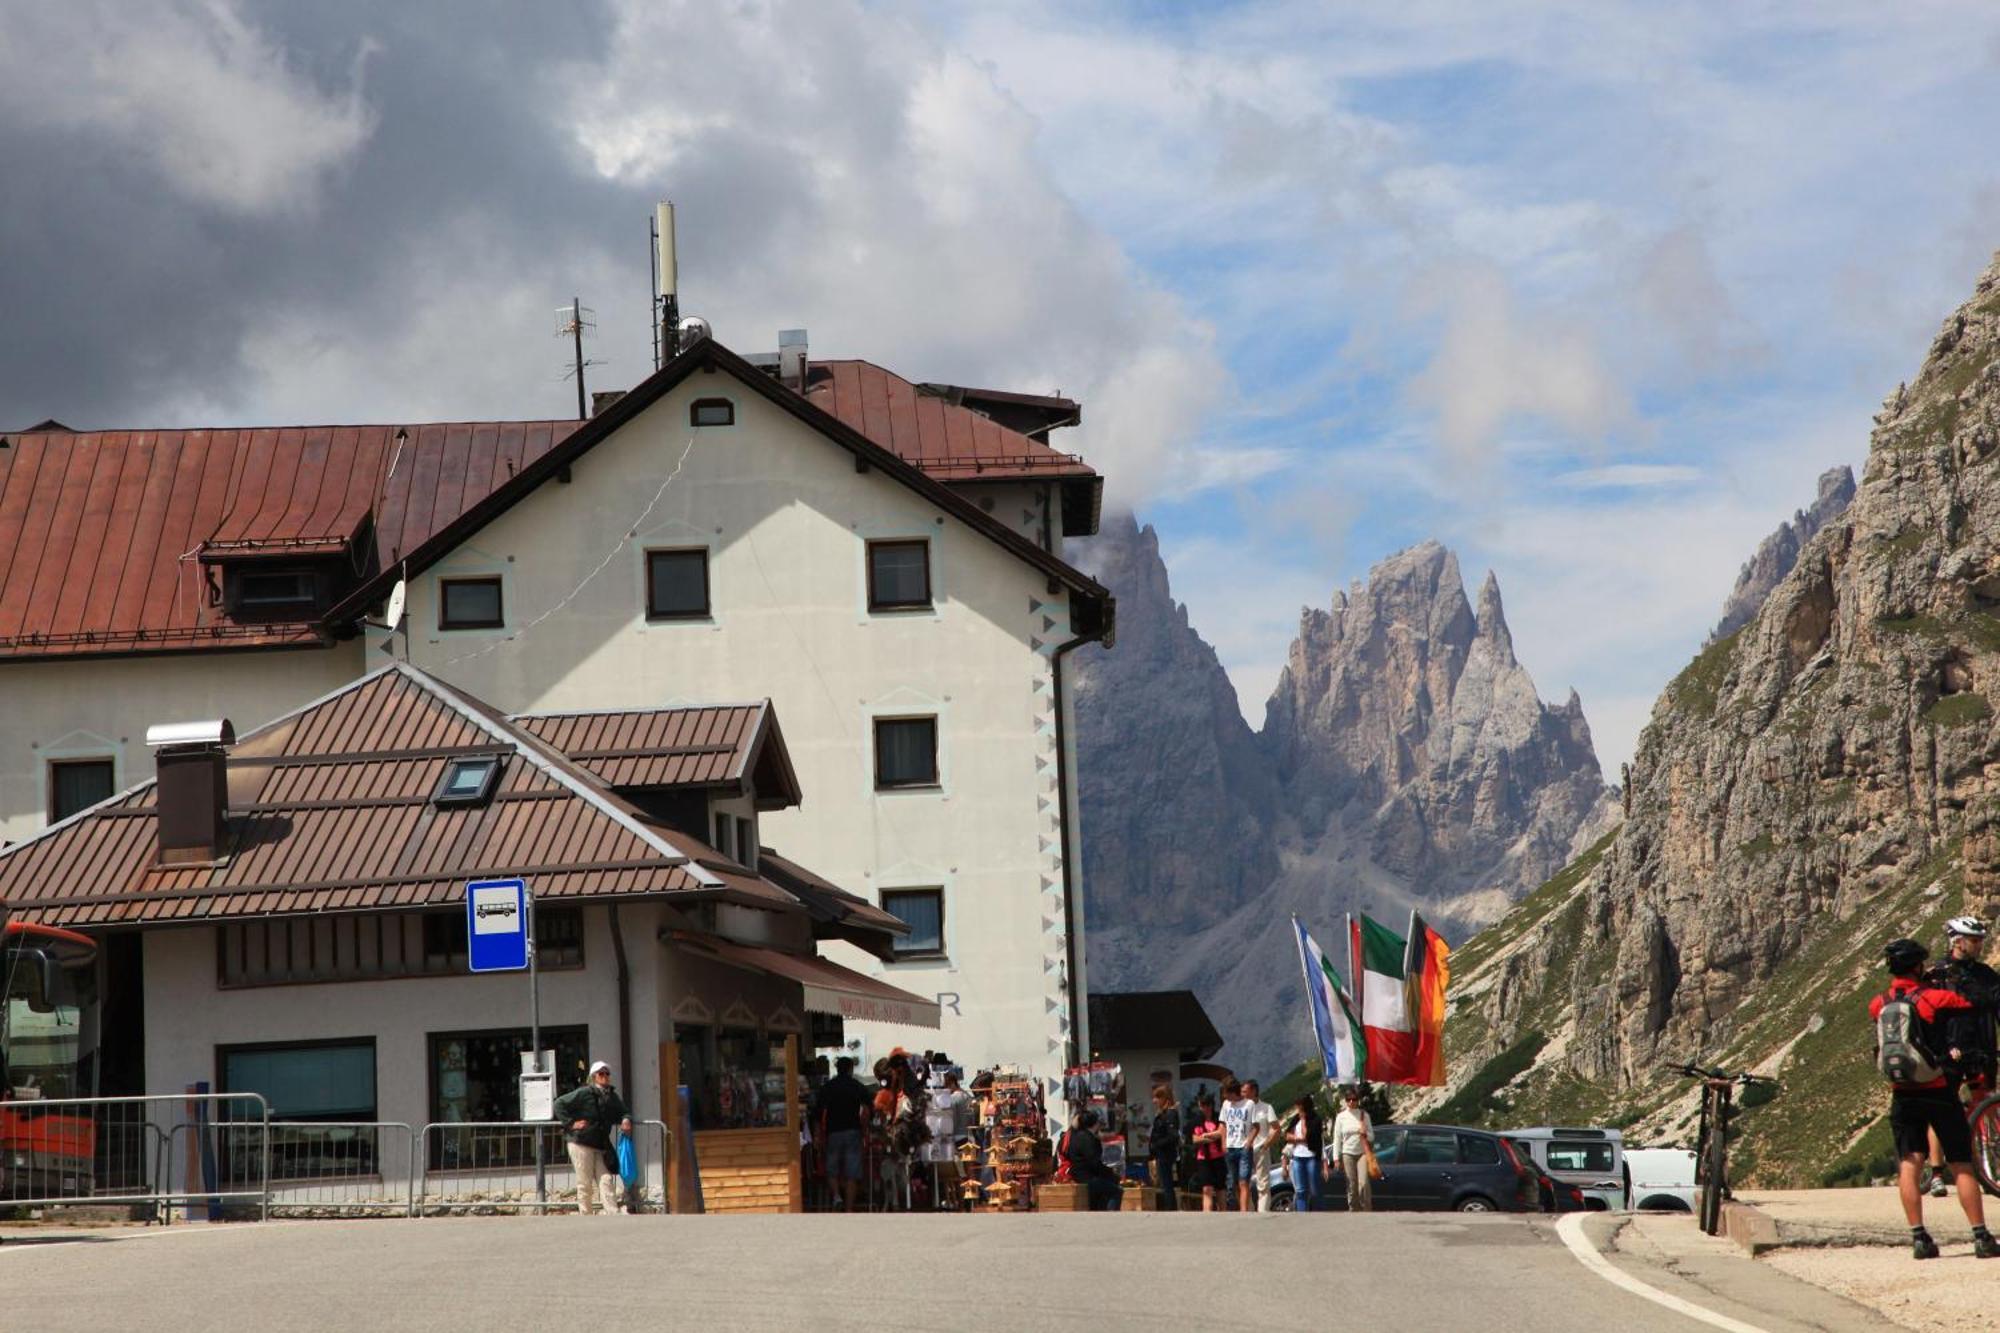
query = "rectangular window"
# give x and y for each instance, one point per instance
(899, 575)
(467, 781)
(746, 843)
(922, 910)
(1569, 1155)
(677, 584)
(725, 829)
(77, 784)
(323, 1080)
(274, 590)
(369, 948)
(905, 752)
(317, 1081)
(469, 604)
(476, 1076)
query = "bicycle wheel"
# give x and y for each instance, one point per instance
(1714, 1179)
(1985, 1117)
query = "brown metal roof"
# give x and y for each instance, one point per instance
(946, 440)
(331, 811)
(103, 534)
(724, 745)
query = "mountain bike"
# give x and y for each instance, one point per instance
(1711, 1159)
(1985, 1117)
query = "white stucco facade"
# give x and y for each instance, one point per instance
(785, 518)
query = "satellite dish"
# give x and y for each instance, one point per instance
(397, 596)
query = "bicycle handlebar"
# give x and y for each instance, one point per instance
(1718, 1075)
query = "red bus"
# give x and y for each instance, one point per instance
(47, 1054)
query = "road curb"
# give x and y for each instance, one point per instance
(1753, 1230)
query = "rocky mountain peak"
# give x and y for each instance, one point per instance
(1492, 622)
(1777, 553)
(1822, 779)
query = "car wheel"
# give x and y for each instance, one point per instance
(1664, 1203)
(1281, 1201)
(1476, 1203)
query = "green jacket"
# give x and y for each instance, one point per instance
(602, 1108)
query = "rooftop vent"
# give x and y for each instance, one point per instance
(792, 358)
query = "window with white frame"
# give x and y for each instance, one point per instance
(922, 910)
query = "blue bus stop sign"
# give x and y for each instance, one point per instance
(496, 925)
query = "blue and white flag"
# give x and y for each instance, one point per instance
(1343, 1054)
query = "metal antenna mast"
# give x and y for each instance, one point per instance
(570, 323)
(666, 287)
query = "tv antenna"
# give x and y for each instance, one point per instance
(571, 321)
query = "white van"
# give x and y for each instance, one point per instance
(1662, 1179)
(1593, 1160)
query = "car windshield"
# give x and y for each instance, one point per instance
(1576, 1155)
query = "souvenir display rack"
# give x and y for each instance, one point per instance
(1100, 1087)
(1013, 1135)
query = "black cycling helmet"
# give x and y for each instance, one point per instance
(1904, 957)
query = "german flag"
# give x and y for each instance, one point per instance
(1426, 974)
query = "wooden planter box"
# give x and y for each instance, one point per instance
(1144, 1199)
(1054, 1198)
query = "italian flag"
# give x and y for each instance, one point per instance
(1402, 982)
(1343, 1057)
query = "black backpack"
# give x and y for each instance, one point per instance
(1900, 1050)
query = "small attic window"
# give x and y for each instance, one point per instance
(712, 412)
(468, 781)
(278, 589)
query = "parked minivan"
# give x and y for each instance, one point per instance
(1662, 1179)
(1444, 1166)
(1593, 1160)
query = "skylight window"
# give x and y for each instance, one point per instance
(468, 781)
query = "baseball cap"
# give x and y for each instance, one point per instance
(600, 1066)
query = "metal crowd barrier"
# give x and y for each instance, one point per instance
(329, 1168)
(195, 1149)
(489, 1167)
(218, 1154)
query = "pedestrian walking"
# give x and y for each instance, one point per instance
(1205, 1132)
(1353, 1140)
(837, 1114)
(1263, 1142)
(1305, 1139)
(1918, 1033)
(1163, 1146)
(590, 1113)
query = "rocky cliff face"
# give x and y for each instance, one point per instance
(1406, 761)
(1777, 553)
(1821, 780)
(1176, 795)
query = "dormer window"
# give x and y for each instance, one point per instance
(276, 592)
(468, 781)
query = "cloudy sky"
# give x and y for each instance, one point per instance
(1590, 291)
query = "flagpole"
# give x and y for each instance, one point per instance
(1354, 984)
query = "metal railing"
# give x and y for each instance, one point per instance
(327, 1168)
(221, 1154)
(155, 1152)
(490, 1167)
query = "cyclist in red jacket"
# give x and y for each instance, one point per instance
(1916, 1110)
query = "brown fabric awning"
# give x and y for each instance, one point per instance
(831, 988)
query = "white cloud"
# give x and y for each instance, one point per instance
(1629, 476)
(194, 88)
(918, 222)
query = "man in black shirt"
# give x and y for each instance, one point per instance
(837, 1112)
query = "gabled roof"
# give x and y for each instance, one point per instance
(331, 810)
(725, 745)
(104, 534)
(1159, 1020)
(1093, 609)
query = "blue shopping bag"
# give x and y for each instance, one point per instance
(628, 1161)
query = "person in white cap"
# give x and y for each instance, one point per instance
(588, 1114)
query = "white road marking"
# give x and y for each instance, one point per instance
(1570, 1228)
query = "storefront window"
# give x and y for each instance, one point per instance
(735, 1077)
(475, 1077)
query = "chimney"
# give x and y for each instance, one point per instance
(603, 398)
(193, 788)
(792, 358)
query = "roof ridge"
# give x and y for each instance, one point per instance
(661, 708)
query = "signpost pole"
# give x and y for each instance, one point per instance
(535, 1041)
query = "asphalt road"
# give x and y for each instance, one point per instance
(1157, 1271)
